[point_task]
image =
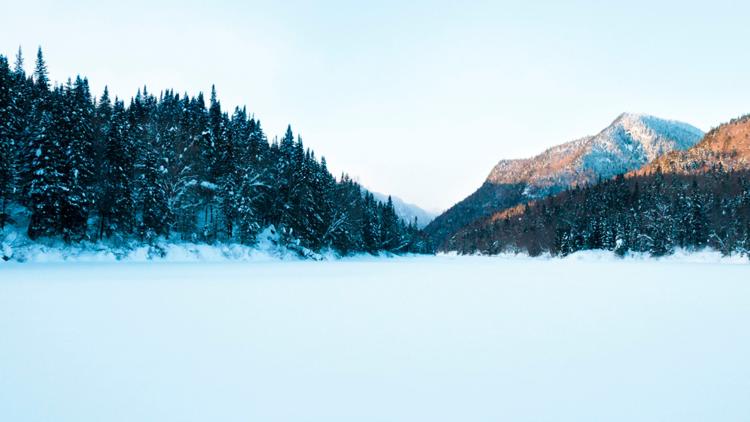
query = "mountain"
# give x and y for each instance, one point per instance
(727, 146)
(628, 143)
(690, 199)
(407, 211)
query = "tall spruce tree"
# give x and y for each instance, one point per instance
(46, 188)
(22, 129)
(41, 75)
(117, 200)
(7, 155)
(156, 216)
(76, 131)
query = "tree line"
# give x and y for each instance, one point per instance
(653, 213)
(174, 168)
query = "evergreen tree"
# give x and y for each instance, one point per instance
(24, 128)
(390, 231)
(216, 146)
(46, 190)
(18, 69)
(76, 131)
(155, 209)
(151, 197)
(299, 203)
(280, 206)
(184, 137)
(246, 199)
(117, 201)
(370, 226)
(229, 177)
(7, 156)
(41, 77)
(323, 190)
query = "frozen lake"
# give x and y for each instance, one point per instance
(407, 339)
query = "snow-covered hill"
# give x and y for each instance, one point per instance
(408, 211)
(628, 143)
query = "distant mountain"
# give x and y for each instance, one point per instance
(408, 211)
(690, 199)
(630, 142)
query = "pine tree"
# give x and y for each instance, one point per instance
(155, 209)
(41, 77)
(7, 155)
(46, 190)
(216, 146)
(23, 128)
(246, 199)
(283, 174)
(389, 230)
(322, 190)
(230, 151)
(299, 203)
(155, 215)
(696, 220)
(117, 201)
(76, 131)
(370, 226)
(102, 119)
(184, 135)
(346, 228)
(208, 167)
(18, 69)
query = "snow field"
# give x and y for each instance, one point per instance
(442, 338)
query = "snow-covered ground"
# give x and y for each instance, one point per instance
(371, 339)
(17, 247)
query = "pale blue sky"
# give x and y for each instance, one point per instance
(418, 99)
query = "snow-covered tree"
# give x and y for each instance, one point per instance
(7, 150)
(118, 211)
(46, 187)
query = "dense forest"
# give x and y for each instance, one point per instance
(653, 213)
(171, 167)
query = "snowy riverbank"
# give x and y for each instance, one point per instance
(17, 248)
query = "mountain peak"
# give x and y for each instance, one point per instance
(628, 143)
(630, 116)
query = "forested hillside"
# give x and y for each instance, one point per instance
(173, 167)
(689, 199)
(628, 143)
(726, 147)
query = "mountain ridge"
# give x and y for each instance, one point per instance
(631, 141)
(690, 199)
